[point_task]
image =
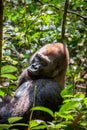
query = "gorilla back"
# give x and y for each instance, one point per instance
(47, 95)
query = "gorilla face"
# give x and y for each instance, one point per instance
(41, 66)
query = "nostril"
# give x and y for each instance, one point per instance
(34, 66)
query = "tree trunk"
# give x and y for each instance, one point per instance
(1, 32)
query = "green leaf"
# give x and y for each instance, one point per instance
(68, 106)
(8, 69)
(65, 115)
(4, 126)
(39, 127)
(33, 123)
(36, 124)
(14, 119)
(85, 101)
(19, 124)
(79, 95)
(67, 92)
(2, 93)
(6, 90)
(9, 76)
(40, 108)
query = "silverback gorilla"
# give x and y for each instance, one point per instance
(49, 62)
(46, 71)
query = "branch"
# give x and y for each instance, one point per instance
(64, 20)
(77, 119)
(73, 12)
(40, 2)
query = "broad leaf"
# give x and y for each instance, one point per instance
(9, 76)
(14, 119)
(8, 69)
(40, 108)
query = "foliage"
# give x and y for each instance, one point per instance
(29, 24)
(72, 114)
(7, 73)
(10, 124)
(8, 69)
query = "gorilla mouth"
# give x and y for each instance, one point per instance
(32, 73)
(29, 72)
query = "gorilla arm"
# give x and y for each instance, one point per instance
(47, 95)
(23, 77)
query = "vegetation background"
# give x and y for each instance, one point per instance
(26, 25)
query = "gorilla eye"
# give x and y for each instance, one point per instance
(44, 63)
(35, 60)
(39, 59)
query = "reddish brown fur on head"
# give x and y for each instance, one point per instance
(60, 56)
(57, 57)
